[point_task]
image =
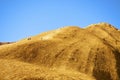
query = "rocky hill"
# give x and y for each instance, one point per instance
(68, 53)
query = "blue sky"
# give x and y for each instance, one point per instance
(23, 18)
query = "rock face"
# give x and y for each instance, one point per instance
(68, 53)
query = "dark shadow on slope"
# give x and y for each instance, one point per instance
(101, 75)
(117, 56)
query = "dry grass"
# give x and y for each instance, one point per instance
(16, 70)
(68, 53)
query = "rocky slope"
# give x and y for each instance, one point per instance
(68, 53)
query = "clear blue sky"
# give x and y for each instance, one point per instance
(22, 18)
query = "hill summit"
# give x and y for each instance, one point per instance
(67, 53)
